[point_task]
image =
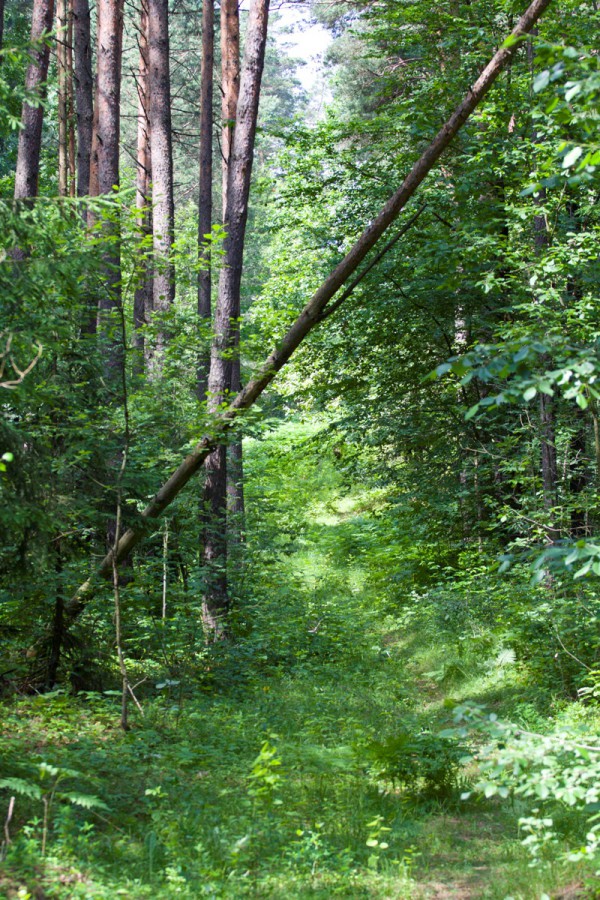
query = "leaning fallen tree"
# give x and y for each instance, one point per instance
(314, 311)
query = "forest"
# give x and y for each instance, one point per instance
(300, 449)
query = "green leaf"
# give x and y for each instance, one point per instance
(583, 570)
(511, 40)
(541, 81)
(87, 801)
(20, 786)
(571, 157)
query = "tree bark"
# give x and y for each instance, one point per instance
(578, 477)
(311, 315)
(108, 94)
(226, 326)
(142, 303)
(84, 91)
(30, 136)
(215, 600)
(231, 91)
(546, 404)
(163, 214)
(71, 101)
(547, 410)
(548, 451)
(236, 507)
(230, 83)
(214, 504)
(57, 633)
(104, 175)
(205, 190)
(579, 461)
(63, 112)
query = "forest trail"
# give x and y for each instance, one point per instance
(457, 850)
(303, 760)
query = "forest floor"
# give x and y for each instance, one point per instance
(258, 773)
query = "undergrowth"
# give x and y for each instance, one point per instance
(317, 754)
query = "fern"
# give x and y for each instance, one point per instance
(22, 787)
(87, 801)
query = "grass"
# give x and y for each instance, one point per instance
(255, 777)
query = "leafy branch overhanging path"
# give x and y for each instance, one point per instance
(312, 314)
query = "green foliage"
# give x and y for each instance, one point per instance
(190, 801)
(553, 771)
(369, 600)
(265, 777)
(417, 759)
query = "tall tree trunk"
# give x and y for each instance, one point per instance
(71, 101)
(579, 462)
(215, 485)
(63, 112)
(30, 136)
(547, 405)
(314, 311)
(84, 93)
(236, 507)
(205, 190)
(230, 83)
(548, 450)
(104, 175)
(215, 602)
(163, 215)
(1, 26)
(84, 106)
(236, 213)
(64, 64)
(213, 510)
(578, 477)
(142, 304)
(230, 50)
(226, 327)
(57, 629)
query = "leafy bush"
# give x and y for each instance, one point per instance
(555, 771)
(426, 761)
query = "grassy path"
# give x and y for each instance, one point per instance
(260, 774)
